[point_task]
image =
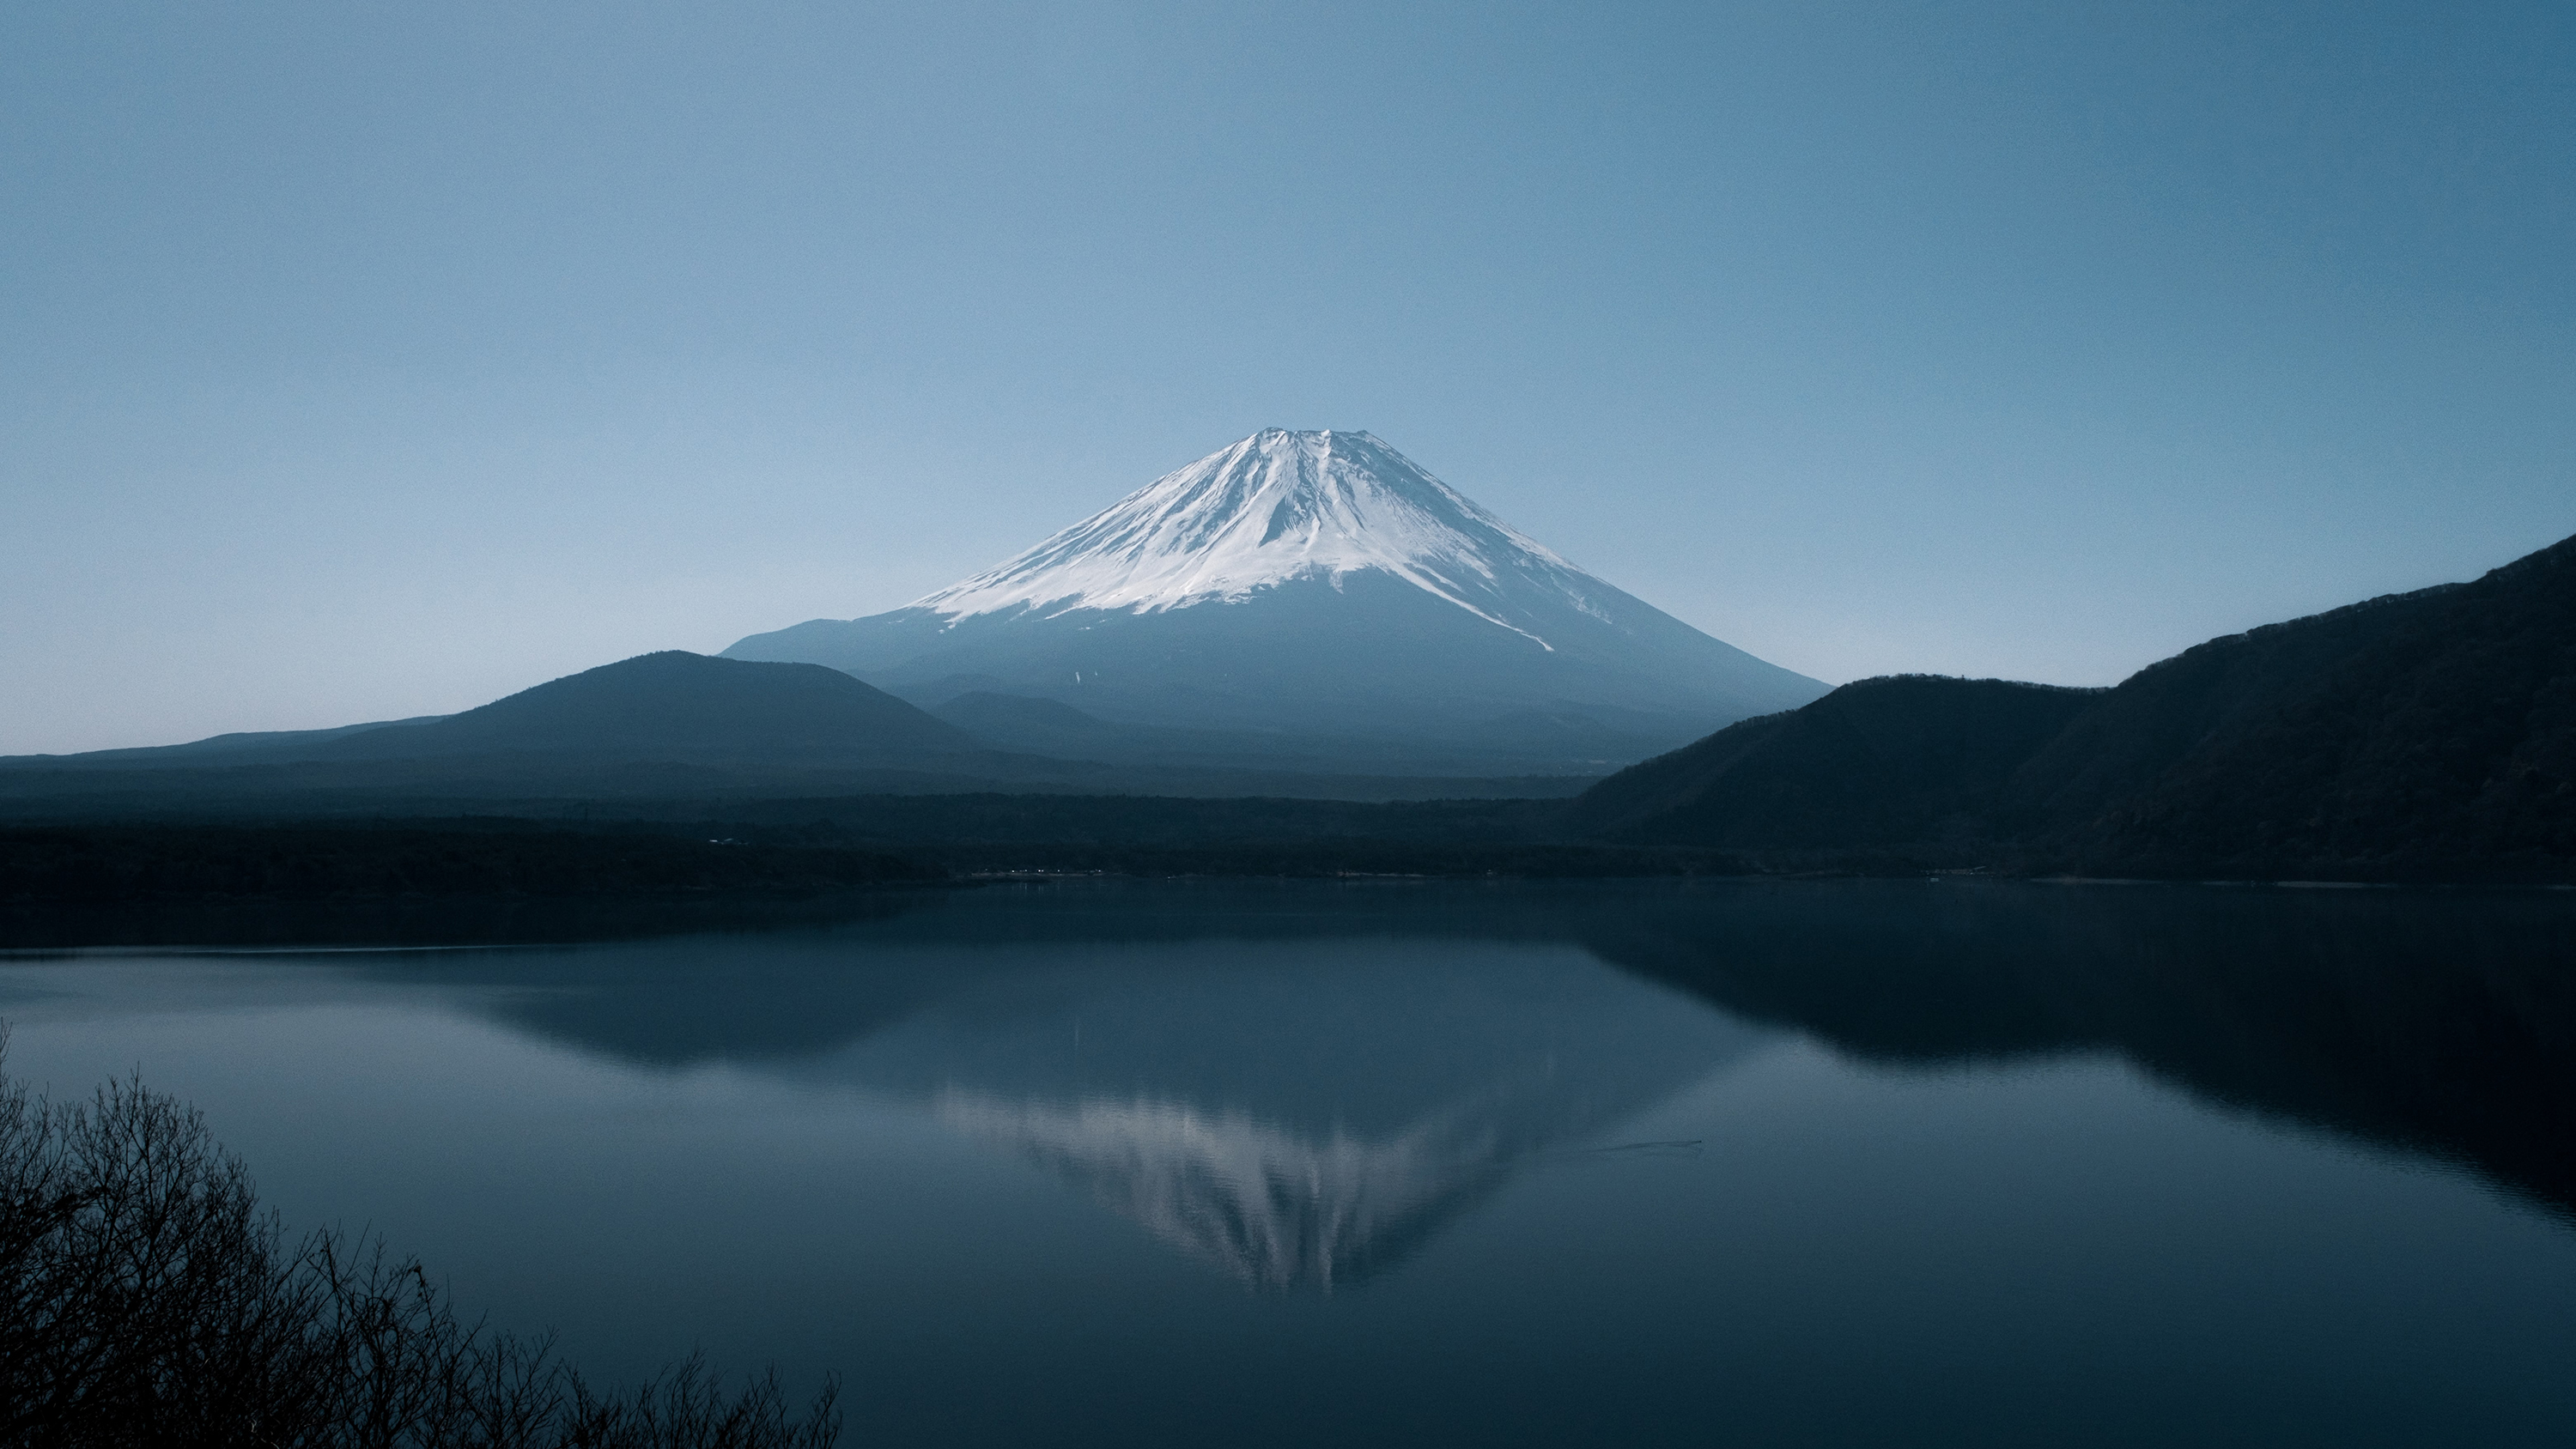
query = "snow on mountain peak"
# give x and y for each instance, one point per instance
(1276, 507)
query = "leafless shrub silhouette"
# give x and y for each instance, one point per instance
(146, 1300)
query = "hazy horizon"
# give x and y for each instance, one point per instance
(363, 365)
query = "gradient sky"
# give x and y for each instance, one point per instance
(361, 360)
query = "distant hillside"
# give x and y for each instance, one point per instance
(668, 707)
(679, 726)
(683, 707)
(1882, 762)
(2398, 734)
(1051, 727)
(1315, 600)
(240, 747)
(2422, 735)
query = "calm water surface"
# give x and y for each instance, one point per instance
(1841, 1163)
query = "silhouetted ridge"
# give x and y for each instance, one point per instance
(1880, 762)
(679, 706)
(2425, 727)
(2422, 734)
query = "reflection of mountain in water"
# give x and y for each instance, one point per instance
(1304, 1083)
(2439, 1023)
(1301, 1116)
(1274, 1208)
(1299, 1087)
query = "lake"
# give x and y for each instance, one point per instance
(1875, 1163)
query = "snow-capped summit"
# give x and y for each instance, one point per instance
(1305, 596)
(1276, 507)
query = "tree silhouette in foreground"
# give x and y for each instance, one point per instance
(145, 1299)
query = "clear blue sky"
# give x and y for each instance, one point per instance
(365, 360)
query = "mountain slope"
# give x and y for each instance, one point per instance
(675, 726)
(2439, 725)
(679, 706)
(667, 706)
(1298, 584)
(1880, 762)
(2431, 733)
(240, 747)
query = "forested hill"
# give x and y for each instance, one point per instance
(2430, 734)
(1895, 761)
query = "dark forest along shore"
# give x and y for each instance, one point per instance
(1836, 1162)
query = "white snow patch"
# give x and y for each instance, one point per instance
(1276, 507)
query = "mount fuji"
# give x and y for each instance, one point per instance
(1307, 597)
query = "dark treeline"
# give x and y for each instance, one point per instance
(1350, 856)
(835, 847)
(491, 858)
(2426, 736)
(149, 1301)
